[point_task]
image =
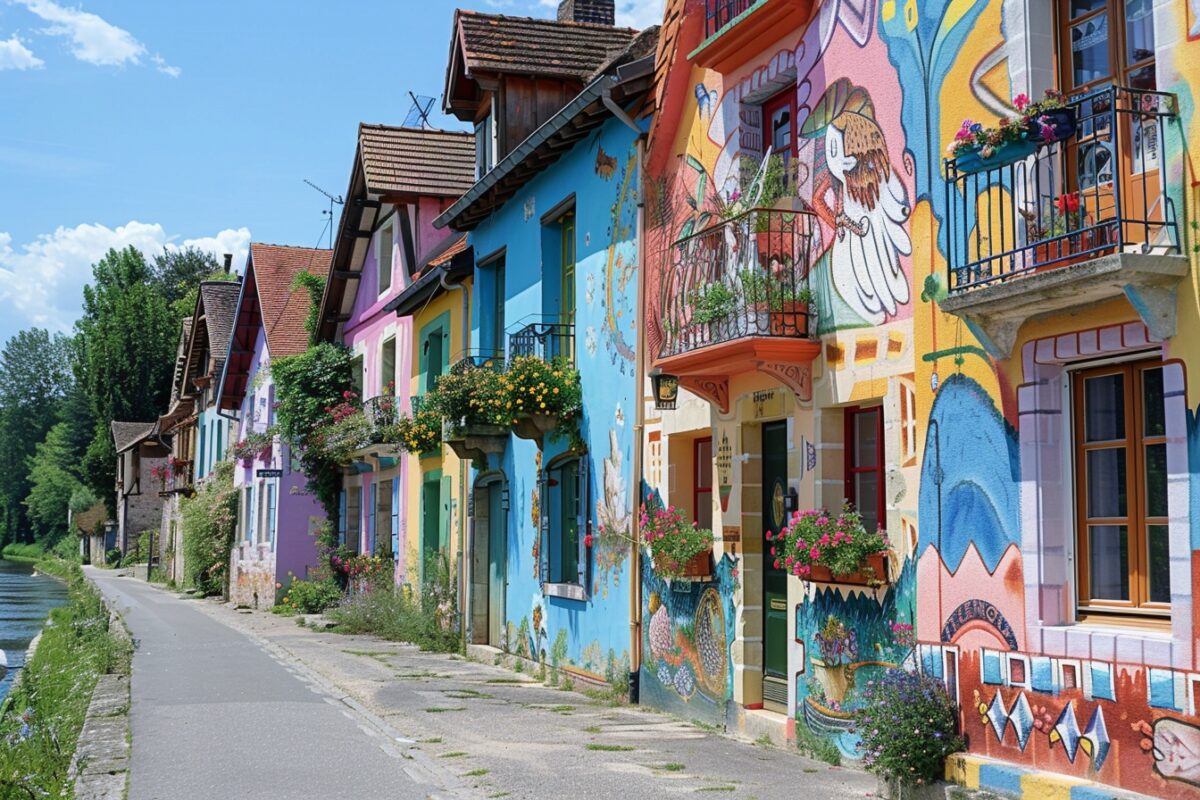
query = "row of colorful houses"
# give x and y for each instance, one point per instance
(743, 230)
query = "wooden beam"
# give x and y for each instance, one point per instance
(347, 274)
(357, 234)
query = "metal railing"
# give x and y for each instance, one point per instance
(545, 340)
(477, 359)
(1099, 190)
(746, 276)
(382, 410)
(719, 13)
(180, 479)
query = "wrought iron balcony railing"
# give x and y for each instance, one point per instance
(1099, 190)
(545, 340)
(179, 479)
(746, 276)
(719, 13)
(478, 359)
(383, 410)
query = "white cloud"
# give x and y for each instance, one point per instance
(41, 282)
(15, 55)
(94, 40)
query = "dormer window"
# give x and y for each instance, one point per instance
(485, 145)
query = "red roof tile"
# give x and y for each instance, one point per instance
(285, 307)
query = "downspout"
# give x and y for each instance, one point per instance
(460, 572)
(635, 584)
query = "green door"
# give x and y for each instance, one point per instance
(497, 556)
(431, 516)
(775, 612)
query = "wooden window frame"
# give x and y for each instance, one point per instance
(1119, 71)
(698, 471)
(787, 98)
(851, 452)
(1138, 608)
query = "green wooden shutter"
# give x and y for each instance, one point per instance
(582, 520)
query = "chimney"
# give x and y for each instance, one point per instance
(229, 262)
(599, 12)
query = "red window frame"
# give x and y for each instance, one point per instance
(701, 472)
(785, 99)
(851, 451)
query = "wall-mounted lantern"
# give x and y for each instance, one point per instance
(666, 389)
(791, 501)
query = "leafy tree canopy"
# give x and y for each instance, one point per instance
(52, 484)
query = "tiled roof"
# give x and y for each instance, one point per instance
(545, 47)
(127, 434)
(284, 307)
(220, 303)
(89, 521)
(416, 160)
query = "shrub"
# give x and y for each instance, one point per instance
(472, 396)
(908, 727)
(309, 597)
(209, 518)
(427, 619)
(817, 538)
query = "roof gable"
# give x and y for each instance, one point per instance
(127, 434)
(416, 161)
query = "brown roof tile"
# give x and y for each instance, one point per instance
(416, 160)
(127, 434)
(284, 307)
(497, 43)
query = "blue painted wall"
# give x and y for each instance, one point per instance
(596, 630)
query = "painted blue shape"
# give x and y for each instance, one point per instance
(1091, 793)
(991, 668)
(969, 490)
(1097, 733)
(1068, 731)
(1162, 689)
(1042, 677)
(1000, 778)
(1020, 716)
(997, 714)
(1102, 681)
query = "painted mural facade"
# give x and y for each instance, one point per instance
(978, 493)
(584, 627)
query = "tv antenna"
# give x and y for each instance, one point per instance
(327, 214)
(418, 115)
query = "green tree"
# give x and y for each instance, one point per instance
(128, 336)
(176, 273)
(35, 377)
(52, 484)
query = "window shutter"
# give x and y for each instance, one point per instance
(371, 520)
(396, 519)
(543, 526)
(341, 522)
(582, 519)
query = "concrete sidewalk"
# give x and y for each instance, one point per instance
(504, 734)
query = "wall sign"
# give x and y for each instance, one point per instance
(981, 611)
(269, 473)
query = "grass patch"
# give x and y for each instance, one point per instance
(408, 676)
(592, 729)
(563, 709)
(505, 680)
(606, 697)
(464, 694)
(56, 688)
(27, 553)
(717, 789)
(610, 748)
(704, 726)
(455, 754)
(432, 740)
(443, 709)
(810, 769)
(671, 766)
(476, 773)
(764, 741)
(398, 614)
(815, 746)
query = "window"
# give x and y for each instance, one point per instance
(564, 552)
(433, 356)
(353, 518)
(908, 422)
(270, 511)
(864, 464)
(702, 460)
(383, 516)
(492, 323)
(779, 117)
(387, 367)
(244, 514)
(568, 268)
(200, 460)
(1106, 41)
(252, 516)
(485, 144)
(357, 369)
(386, 242)
(1122, 542)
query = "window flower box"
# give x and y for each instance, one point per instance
(476, 441)
(874, 570)
(832, 548)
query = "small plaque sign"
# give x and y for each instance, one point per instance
(731, 533)
(269, 473)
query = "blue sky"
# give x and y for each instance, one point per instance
(189, 122)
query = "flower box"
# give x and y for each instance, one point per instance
(1006, 153)
(472, 442)
(699, 566)
(1061, 122)
(1071, 249)
(876, 574)
(534, 426)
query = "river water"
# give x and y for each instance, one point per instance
(25, 602)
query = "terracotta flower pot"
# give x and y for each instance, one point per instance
(790, 320)
(698, 566)
(878, 573)
(1072, 249)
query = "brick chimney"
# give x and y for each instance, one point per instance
(600, 12)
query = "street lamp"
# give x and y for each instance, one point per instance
(666, 389)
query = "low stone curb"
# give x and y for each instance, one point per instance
(101, 760)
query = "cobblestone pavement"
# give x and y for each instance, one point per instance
(459, 728)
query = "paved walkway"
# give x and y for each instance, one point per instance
(235, 704)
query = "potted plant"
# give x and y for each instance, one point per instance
(678, 548)
(976, 148)
(1049, 119)
(257, 445)
(1067, 234)
(837, 650)
(417, 434)
(475, 408)
(908, 727)
(712, 306)
(820, 546)
(542, 396)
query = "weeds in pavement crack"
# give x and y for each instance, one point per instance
(610, 748)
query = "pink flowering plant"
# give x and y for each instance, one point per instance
(903, 635)
(672, 539)
(1031, 123)
(816, 537)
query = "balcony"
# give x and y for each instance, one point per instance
(737, 30)
(546, 340)
(477, 359)
(1072, 224)
(178, 478)
(735, 298)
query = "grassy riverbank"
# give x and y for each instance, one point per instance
(27, 553)
(42, 716)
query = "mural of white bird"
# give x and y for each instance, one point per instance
(873, 207)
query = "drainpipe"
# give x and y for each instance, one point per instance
(460, 572)
(635, 585)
